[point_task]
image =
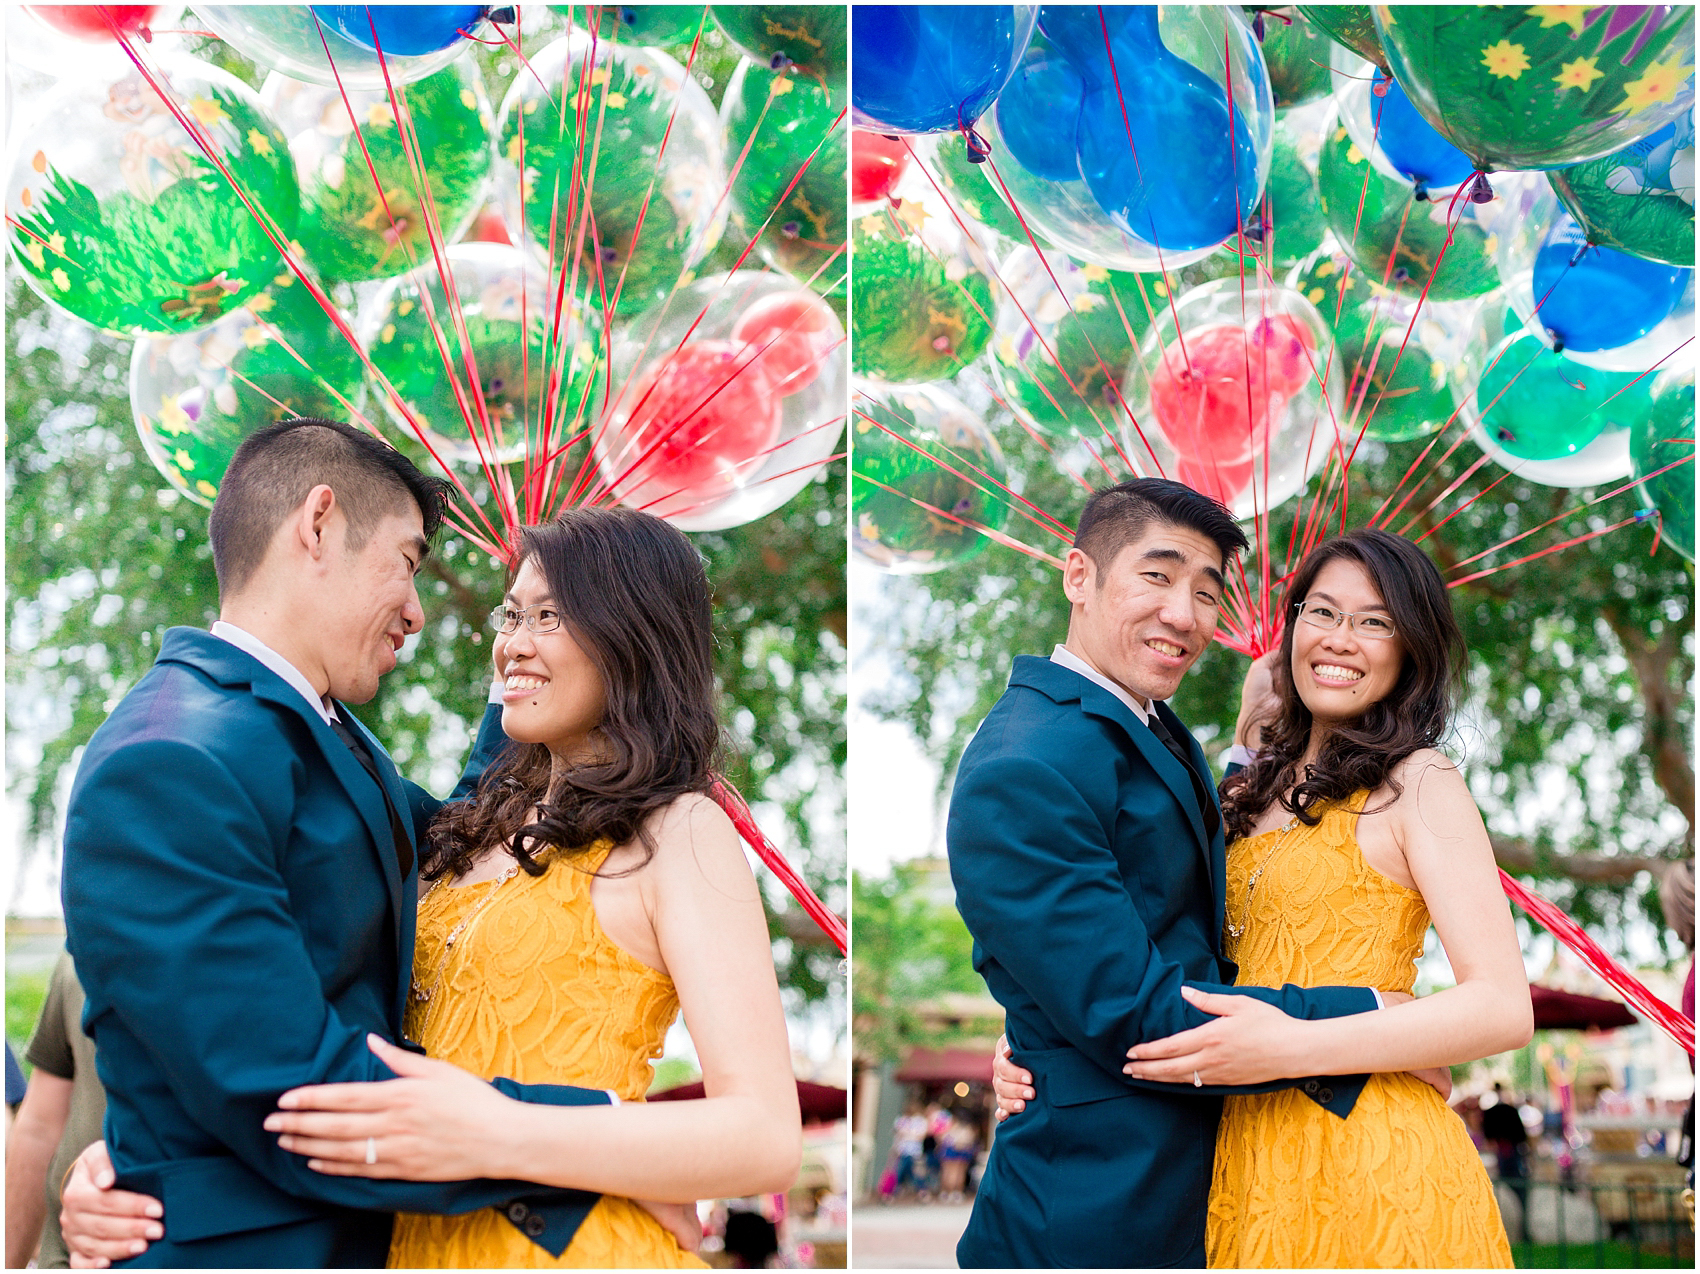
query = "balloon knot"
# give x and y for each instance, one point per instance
(1504, 434)
(1420, 191)
(505, 15)
(1480, 190)
(779, 62)
(1645, 515)
(1380, 85)
(146, 33)
(1257, 26)
(1401, 275)
(791, 229)
(978, 147)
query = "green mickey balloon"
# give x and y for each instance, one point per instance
(1666, 437)
(920, 311)
(1392, 397)
(1639, 200)
(117, 214)
(788, 121)
(197, 396)
(1396, 225)
(805, 37)
(351, 232)
(970, 185)
(651, 24)
(1541, 86)
(1538, 405)
(909, 513)
(1295, 208)
(1352, 25)
(1296, 54)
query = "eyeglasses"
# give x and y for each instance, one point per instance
(1321, 615)
(542, 618)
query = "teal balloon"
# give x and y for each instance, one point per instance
(1666, 437)
(1538, 405)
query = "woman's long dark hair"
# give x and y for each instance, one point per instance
(632, 592)
(1363, 752)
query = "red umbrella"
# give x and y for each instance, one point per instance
(821, 1103)
(1563, 1010)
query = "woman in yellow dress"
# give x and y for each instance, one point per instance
(1350, 834)
(588, 890)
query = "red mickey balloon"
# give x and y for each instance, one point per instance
(876, 162)
(792, 332)
(96, 23)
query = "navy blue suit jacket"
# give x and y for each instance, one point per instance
(239, 920)
(1083, 871)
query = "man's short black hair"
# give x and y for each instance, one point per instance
(274, 469)
(1117, 516)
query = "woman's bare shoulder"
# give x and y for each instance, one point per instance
(694, 839)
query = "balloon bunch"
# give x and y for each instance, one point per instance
(312, 248)
(1231, 250)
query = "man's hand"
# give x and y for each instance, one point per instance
(1249, 1042)
(1012, 1084)
(102, 1225)
(1259, 703)
(678, 1219)
(1438, 1078)
(432, 1124)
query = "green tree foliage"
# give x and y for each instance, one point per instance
(911, 947)
(1579, 709)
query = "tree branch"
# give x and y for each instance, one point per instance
(465, 601)
(1663, 742)
(1619, 869)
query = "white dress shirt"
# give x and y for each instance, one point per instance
(1068, 659)
(242, 639)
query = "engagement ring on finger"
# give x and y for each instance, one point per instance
(371, 1150)
(1196, 1083)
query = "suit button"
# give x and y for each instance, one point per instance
(534, 1225)
(517, 1212)
(1310, 1087)
(1327, 1095)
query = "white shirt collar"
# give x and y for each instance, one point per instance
(1068, 659)
(246, 641)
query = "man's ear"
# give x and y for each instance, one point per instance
(1079, 575)
(312, 521)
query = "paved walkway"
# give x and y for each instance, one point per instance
(907, 1236)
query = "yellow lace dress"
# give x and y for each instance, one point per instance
(1397, 1185)
(531, 988)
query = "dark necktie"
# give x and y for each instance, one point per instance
(357, 745)
(1206, 807)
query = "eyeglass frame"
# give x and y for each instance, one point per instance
(498, 619)
(1350, 619)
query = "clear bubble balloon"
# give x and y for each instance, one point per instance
(354, 228)
(925, 300)
(1639, 200)
(1229, 396)
(651, 25)
(196, 397)
(515, 341)
(1384, 125)
(82, 40)
(1096, 200)
(625, 103)
(924, 479)
(116, 213)
(720, 421)
(1602, 307)
(292, 39)
(971, 188)
(1548, 418)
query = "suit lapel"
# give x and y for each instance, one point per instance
(1215, 864)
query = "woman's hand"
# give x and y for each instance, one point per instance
(435, 1123)
(1259, 702)
(1249, 1042)
(102, 1225)
(1012, 1084)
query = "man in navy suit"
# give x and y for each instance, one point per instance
(241, 867)
(1086, 848)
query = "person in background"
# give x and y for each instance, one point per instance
(14, 1085)
(909, 1129)
(959, 1143)
(1502, 1124)
(752, 1241)
(1676, 894)
(61, 1114)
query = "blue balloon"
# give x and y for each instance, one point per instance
(1598, 298)
(1037, 113)
(1410, 142)
(933, 68)
(1080, 32)
(1157, 151)
(406, 30)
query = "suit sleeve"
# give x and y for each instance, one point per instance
(1041, 891)
(217, 916)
